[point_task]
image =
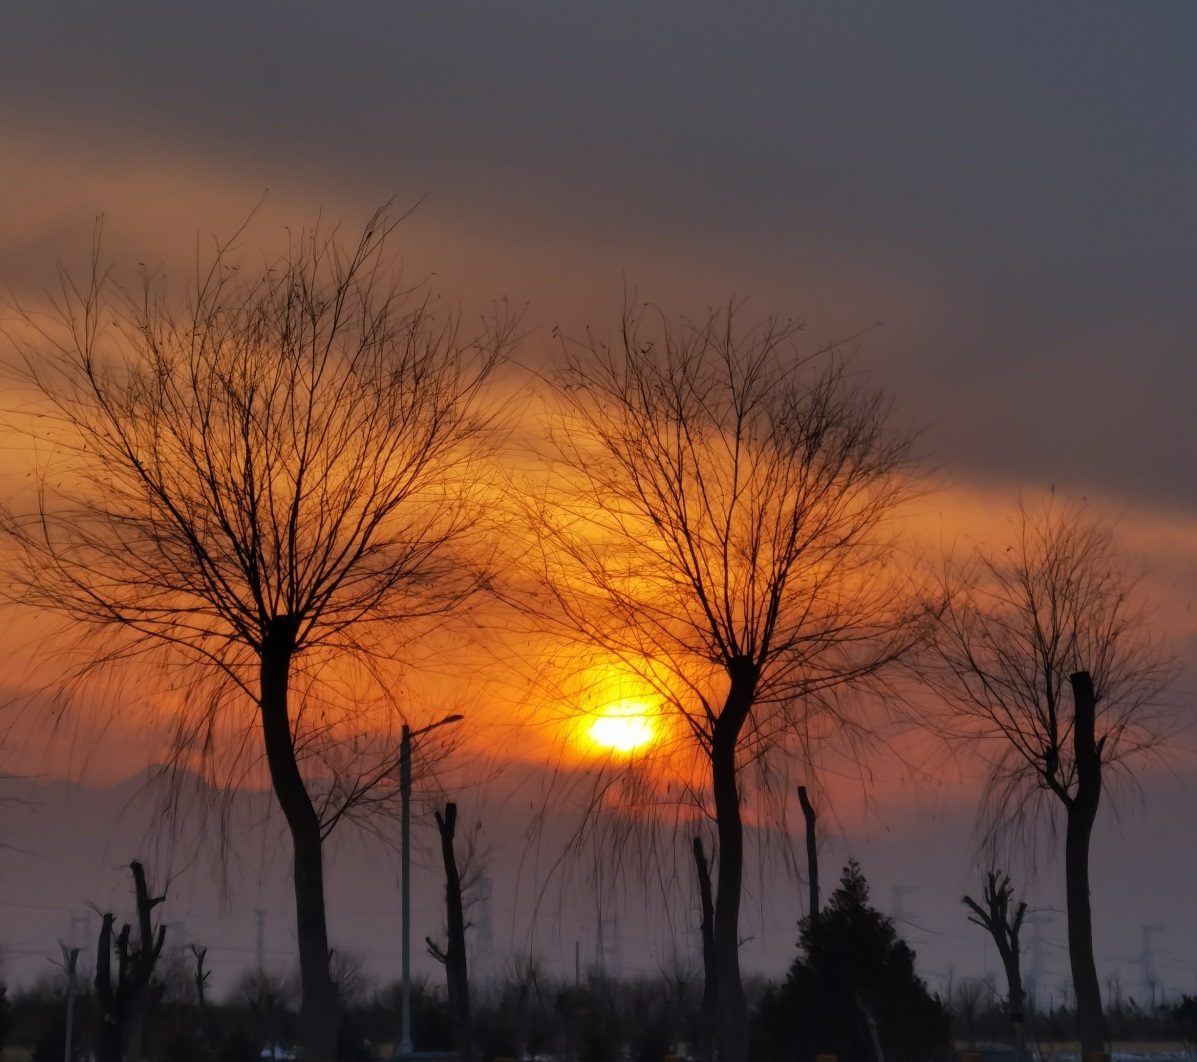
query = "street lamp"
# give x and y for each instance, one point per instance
(405, 741)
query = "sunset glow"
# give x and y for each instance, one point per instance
(625, 727)
(659, 394)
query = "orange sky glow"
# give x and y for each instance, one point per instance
(1001, 244)
(564, 706)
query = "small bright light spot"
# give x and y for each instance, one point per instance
(623, 727)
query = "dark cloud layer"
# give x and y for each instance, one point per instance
(1007, 188)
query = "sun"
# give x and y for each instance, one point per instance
(625, 726)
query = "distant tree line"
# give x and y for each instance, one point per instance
(852, 991)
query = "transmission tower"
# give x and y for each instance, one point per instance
(261, 917)
(1036, 947)
(1147, 967)
(484, 941)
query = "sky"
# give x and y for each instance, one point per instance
(990, 204)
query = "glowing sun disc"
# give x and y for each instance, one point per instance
(623, 727)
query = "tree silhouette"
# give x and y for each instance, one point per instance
(1053, 619)
(124, 1006)
(853, 991)
(453, 955)
(996, 918)
(277, 481)
(720, 531)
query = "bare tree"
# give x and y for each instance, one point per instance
(125, 1006)
(1054, 618)
(278, 478)
(721, 532)
(453, 955)
(996, 918)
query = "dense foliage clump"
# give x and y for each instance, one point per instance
(852, 992)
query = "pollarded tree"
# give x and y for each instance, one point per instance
(1045, 658)
(996, 918)
(720, 529)
(453, 955)
(277, 479)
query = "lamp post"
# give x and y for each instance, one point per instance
(405, 741)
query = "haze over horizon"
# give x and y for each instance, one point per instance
(69, 850)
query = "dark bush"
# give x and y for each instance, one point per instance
(853, 978)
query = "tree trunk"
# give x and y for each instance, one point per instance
(812, 856)
(1081, 812)
(731, 1009)
(318, 1020)
(1015, 998)
(871, 1027)
(710, 967)
(996, 919)
(456, 971)
(1018, 1019)
(110, 1039)
(141, 963)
